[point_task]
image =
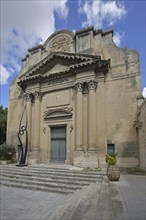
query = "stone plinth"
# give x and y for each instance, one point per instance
(86, 159)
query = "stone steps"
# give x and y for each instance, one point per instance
(50, 171)
(81, 205)
(104, 207)
(43, 179)
(46, 179)
(36, 187)
(41, 183)
(53, 175)
(50, 175)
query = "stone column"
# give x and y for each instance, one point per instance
(29, 117)
(79, 120)
(92, 85)
(36, 137)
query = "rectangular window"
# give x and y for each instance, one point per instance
(110, 148)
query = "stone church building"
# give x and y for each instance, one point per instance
(80, 91)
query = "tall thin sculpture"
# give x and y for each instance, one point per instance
(23, 147)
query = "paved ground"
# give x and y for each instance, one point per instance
(21, 204)
(133, 192)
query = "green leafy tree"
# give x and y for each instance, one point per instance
(3, 124)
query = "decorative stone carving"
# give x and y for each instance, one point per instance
(61, 43)
(92, 85)
(86, 86)
(37, 95)
(28, 97)
(79, 87)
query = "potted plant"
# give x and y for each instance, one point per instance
(113, 172)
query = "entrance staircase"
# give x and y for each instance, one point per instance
(58, 179)
(89, 195)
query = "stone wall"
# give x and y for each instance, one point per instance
(142, 135)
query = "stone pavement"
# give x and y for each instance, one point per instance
(23, 204)
(133, 192)
(123, 200)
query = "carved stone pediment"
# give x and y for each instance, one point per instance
(58, 113)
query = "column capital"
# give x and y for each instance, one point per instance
(28, 97)
(79, 87)
(92, 85)
(37, 95)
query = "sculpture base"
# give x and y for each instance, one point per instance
(21, 165)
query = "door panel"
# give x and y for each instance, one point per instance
(58, 144)
(55, 150)
(62, 146)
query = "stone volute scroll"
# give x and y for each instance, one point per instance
(28, 97)
(37, 95)
(92, 85)
(79, 87)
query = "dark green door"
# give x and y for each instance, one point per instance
(58, 144)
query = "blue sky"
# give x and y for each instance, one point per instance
(26, 23)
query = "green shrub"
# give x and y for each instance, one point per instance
(111, 158)
(7, 152)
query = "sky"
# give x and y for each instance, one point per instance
(27, 23)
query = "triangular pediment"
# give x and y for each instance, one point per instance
(55, 60)
(57, 63)
(57, 68)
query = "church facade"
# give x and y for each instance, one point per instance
(80, 91)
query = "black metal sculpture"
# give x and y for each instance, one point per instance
(23, 147)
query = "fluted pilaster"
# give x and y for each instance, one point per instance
(79, 120)
(37, 98)
(28, 98)
(92, 85)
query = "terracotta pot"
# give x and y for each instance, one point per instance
(113, 173)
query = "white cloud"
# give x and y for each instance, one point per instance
(25, 24)
(118, 37)
(4, 75)
(144, 92)
(100, 13)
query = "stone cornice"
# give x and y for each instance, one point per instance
(82, 63)
(35, 48)
(57, 55)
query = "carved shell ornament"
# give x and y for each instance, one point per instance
(62, 43)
